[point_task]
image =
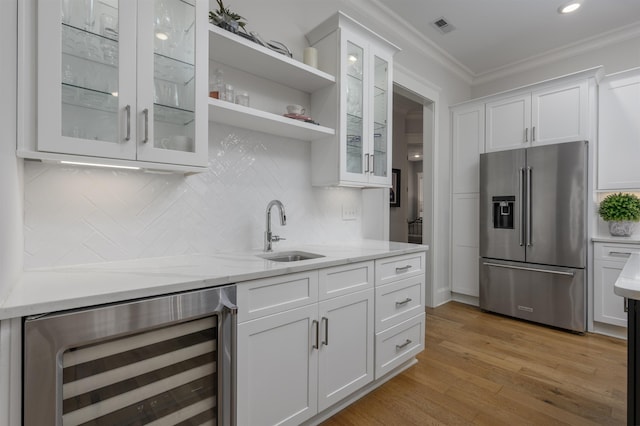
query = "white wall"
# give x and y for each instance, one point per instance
(614, 57)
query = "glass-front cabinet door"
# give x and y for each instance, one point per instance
(119, 79)
(85, 90)
(380, 169)
(355, 149)
(172, 68)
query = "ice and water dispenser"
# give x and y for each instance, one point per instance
(503, 211)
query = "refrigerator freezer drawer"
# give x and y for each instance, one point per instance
(547, 295)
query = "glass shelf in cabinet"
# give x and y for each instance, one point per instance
(357, 77)
(170, 69)
(89, 46)
(173, 115)
(89, 98)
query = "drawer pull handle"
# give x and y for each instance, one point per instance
(619, 254)
(316, 345)
(404, 345)
(403, 269)
(626, 304)
(404, 302)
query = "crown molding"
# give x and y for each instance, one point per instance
(584, 46)
(385, 17)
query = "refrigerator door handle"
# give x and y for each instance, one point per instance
(529, 208)
(521, 217)
(524, 268)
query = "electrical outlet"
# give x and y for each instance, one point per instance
(349, 212)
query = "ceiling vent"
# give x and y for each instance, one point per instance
(443, 26)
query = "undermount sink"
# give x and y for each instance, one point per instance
(290, 256)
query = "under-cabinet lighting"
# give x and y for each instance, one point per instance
(77, 163)
(569, 7)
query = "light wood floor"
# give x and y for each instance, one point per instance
(481, 368)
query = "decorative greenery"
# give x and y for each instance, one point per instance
(224, 18)
(620, 207)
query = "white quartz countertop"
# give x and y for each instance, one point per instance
(619, 240)
(628, 283)
(56, 289)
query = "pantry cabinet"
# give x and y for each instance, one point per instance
(120, 80)
(358, 106)
(551, 114)
(619, 131)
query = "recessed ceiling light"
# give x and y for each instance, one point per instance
(569, 7)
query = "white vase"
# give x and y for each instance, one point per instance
(621, 228)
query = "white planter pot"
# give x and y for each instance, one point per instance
(622, 228)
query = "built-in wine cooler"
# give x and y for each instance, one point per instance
(160, 361)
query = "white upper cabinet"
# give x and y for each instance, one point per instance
(468, 143)
(358, 106)
(619, 131)
(553, 113)
(120, 80)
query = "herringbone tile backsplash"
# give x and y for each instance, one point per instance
(77, 215)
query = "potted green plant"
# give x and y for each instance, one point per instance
(224, 18)
(622, 212)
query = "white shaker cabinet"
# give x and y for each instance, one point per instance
(120, 80)
(550, 113)
(305, 342)
(465, 246)
(609, 260)
(619, 131)
(359, 106)
(468, 143)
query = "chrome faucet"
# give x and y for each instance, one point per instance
(269, 238)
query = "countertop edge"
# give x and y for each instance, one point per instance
(628, 282)
(25, 299)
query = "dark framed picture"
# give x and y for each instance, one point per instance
(394, 192)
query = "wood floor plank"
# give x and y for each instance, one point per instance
(485, 369)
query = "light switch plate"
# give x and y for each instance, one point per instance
(349, 212)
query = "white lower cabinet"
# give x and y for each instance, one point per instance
(297, 362)
(609, 260)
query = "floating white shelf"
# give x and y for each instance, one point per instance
(250, 118)
(238, 52)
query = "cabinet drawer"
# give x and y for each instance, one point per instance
(398, 267)
(615, 252)
(399, 301)
(345, 279)
(399, 344)
(269, 296)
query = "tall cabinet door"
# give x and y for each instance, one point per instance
(468, 144)
(86, 89)
(560, 114)
(172, 76)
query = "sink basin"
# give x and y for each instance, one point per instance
(290, 256)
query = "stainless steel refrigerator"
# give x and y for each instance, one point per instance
(533, 234)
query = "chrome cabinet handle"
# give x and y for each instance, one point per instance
(526, 134)
(403, 345)
(403, 268)
(404, 302)
(373, 164)
(145, 112)
(316, 345)
(366, 161)
(619, 254)
(127, 110)
(626, 304)
(533, 134)
(325, 342)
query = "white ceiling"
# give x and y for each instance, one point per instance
(494, 34)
